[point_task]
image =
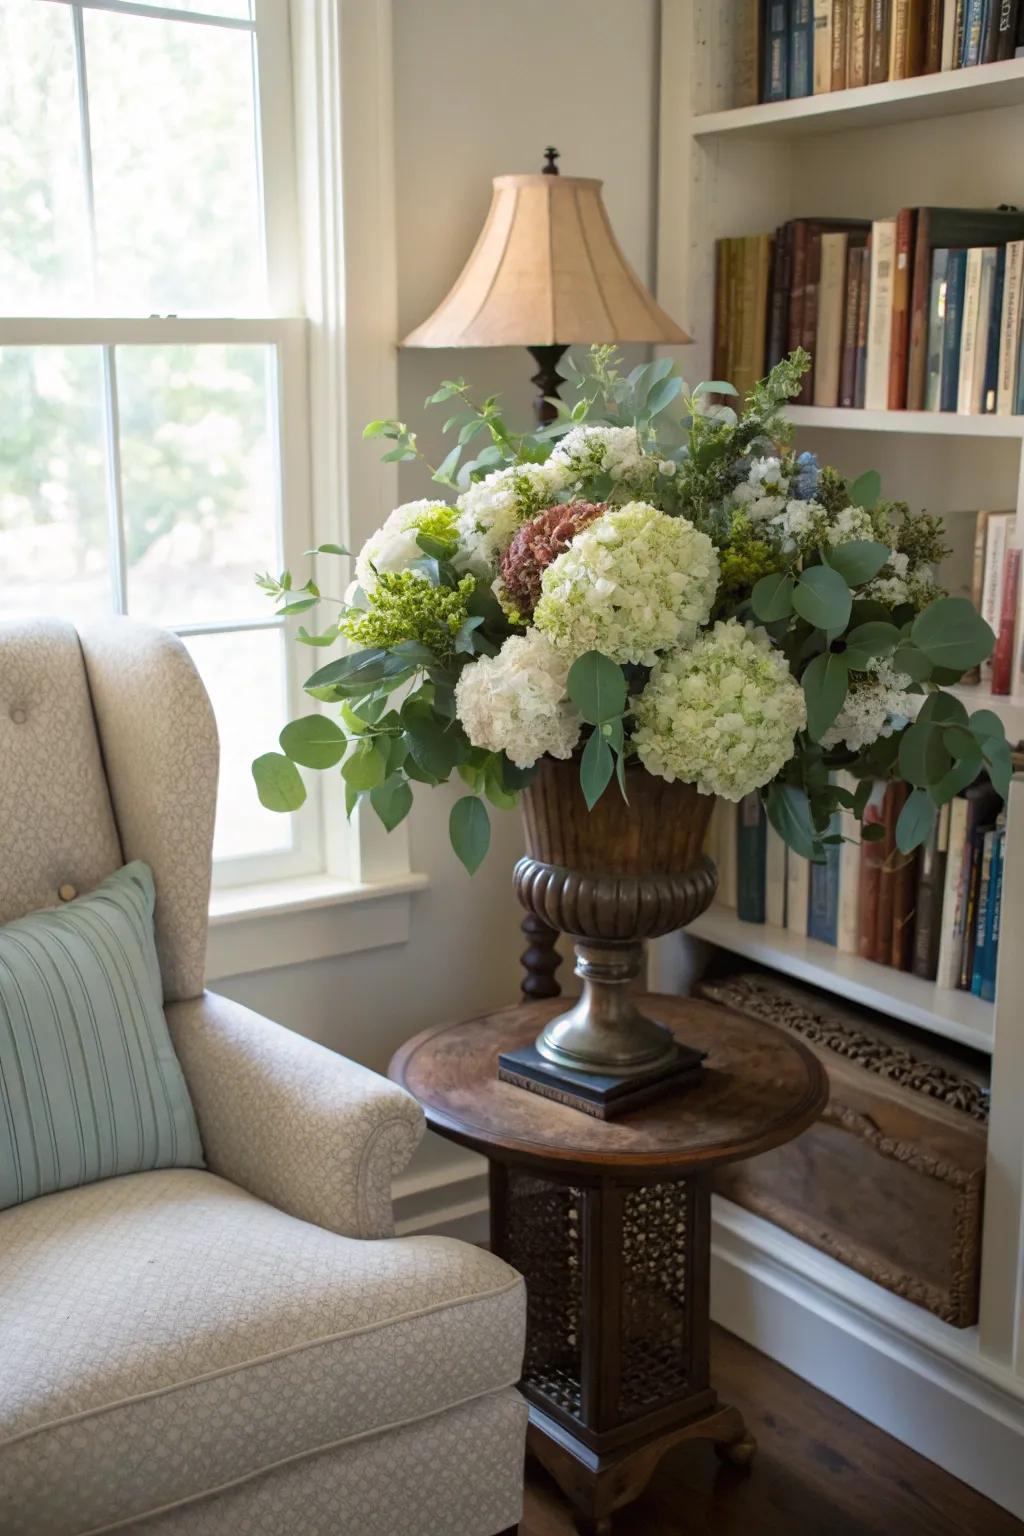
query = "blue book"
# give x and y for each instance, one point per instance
(936, 331)
(982, 933)
(823, 900)
(956, 276)
(1018, 405)
(801, 48)
(990, 387)
(775, 85)
(994, 908)
(974, 29)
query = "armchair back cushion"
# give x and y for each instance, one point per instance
(90, 1086)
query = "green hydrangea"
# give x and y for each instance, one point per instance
(405, 607)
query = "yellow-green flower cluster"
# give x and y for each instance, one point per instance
(746, 558)
(721, 715)
(405, 607)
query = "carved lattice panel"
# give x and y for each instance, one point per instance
(656, 1233)
(543, 1240)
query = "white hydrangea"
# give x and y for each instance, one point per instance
(807, 524)
(613, 451)
(898, 584)
(394, 548)
(634, 582)
(764, 492)
(492, 509)
(517, 702)
(721, 715)
(875, 706)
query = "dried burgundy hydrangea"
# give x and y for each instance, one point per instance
(537, 543)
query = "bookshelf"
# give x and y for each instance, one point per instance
(727, 171)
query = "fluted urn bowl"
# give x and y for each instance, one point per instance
(626, 871)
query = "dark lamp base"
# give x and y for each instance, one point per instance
(595, 1093)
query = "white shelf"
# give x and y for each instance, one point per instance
(924, 423)
(871, 106)
(954, 1015)
(1008, 706)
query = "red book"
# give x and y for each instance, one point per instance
(870, 872)
(904, 907)
(896, 794)
(1002, 656)
(798, 278)
(900, 345)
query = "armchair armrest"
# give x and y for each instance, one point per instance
(301, 1127)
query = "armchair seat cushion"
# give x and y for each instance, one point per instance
(165, 1334)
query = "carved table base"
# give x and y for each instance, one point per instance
(616, 1369)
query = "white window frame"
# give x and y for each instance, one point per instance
(282, 327)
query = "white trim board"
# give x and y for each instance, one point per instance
(921, 1382)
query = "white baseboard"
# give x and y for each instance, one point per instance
(895, 1365)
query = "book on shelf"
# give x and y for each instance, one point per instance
(1010, 328)
(750, 859)
(822, 51)
(870, 876)
(775, 76)
(880, 305)
(878, 41)
(798, 886)
(952, 329)
(823, 893)
(776, 857)
(840, 42)
(930, 884)
(1004, 655)
(997, 529)
(857, 50)
(970, 813)
(801, 48)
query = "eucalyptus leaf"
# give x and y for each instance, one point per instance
(858, 561)
(908, 659)
(865, 491)
(876, 638)
(789, 813)
(923, 756)
(469, 828)
(278, 782)
(915, 820)
(822, 597)
(998, 761)
(952, 633)
(315, 742)
(662, 394)
(825, 683)
(597, 687)
(366, 765)
(392, 801)
(772, 597)
(596, 768)
(436, 745)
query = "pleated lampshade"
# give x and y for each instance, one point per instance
(547, 270)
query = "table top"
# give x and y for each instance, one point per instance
(760, 1088)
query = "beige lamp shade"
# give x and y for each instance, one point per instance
(547, 270)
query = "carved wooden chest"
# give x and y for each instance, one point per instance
(890, 1179)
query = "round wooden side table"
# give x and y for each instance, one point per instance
(609, 1223)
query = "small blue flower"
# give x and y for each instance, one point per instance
(807, 475)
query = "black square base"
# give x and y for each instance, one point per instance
(598, 1094)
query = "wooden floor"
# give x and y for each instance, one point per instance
(820, 1471)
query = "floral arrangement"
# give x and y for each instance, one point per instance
(653, 576)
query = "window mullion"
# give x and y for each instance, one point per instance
(115, 490)
(85, 133)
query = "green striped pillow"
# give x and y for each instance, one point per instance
(89, 1082)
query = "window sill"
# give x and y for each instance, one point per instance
(290, 922)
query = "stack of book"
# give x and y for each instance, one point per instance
(921, 311)
(996, 591)
(935, 913)
(810, 47)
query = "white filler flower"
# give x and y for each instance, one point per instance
(516, 702)
(493, 508)
(613, 451)
(874, 707)
(721, 715)
(631, 584)
(394, 546)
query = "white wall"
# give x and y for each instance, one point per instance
(479, 89)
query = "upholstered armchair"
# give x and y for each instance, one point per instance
(247, 1348)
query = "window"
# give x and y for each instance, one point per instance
(153, 439)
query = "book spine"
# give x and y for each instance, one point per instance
(959, 24)
(899, 44)
(823, 909)
(995, 912)
(848, 367)
(776, 51)
(863, 313)
(956, 272)
(996, 540)
(798, 284)
(809, 329)
(936, 331)
(1009, 13)
(840, 35)
(857, 55)
(1003, 655)
(831, 293)
(994, 302)
(798, 880)
(981, 915)
(890, 882)
(951, 934)
(870, 876)
(750, 860)
(900, 343)
(1018, 395)
(973, 675)
(932, 60)
(920, 294)
(1013, 283)
(904, 911)
(775, 857)
(974, 17)
(801, 48)
(822, 47)
(975, 852)
(778, 310)
(747, 61)
(725, 812)
(848, 917)
(883, 252)
(878, 42)
(949, 8)
(970, 326)
(930, 886)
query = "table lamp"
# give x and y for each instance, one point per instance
(545, 273)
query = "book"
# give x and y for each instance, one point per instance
(870, 876)
(878, 41)
(978, 284)
(776, 855)
(949, 228)
(931, 879)
(831, 297)
(1009, 328)
(950, 52)
(904, 908)
(997, 538)
(798, 884)
(931, 61)
(900, 341)
(947, 966)
(1009, 602)
(974, 858)
(1009, 15)
(801, 48)
(752, 317)
(890, 915)
(775, 84)
(822, 47)
(863, 313)
(974, 18)
(744, 66)
(778, 301)
(840, 36)
(973, 675)
(823, 900)
(952, 330)
(993, 914)
(857, 44)
(809, 324)
(728, 830)
(883, 256)
(848, 919)
(857, 260)
(981, 912)
(750, 859)
(936, 330)
(990, 380)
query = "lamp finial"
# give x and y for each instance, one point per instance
(550, 156)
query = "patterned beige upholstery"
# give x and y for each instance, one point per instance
(243, 1350)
